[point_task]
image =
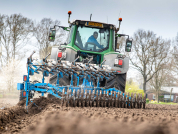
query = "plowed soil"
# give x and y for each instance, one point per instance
(46, 116)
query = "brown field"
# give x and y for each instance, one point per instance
(48, 117)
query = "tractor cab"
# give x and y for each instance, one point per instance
(91, 36)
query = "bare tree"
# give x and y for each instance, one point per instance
(163, 77)
(5, 39)
(175, 53)
(177, 39)
(41, 33)
(148, 49)
(15, 33)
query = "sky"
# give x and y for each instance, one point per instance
(159, 16)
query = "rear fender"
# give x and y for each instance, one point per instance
(110, 60)
(70, 54)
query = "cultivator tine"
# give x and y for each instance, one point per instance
(111, 99)
(89, 98)
(138, 100)
(135, 99)
(115, 101)
(63, 95)
(77, 98)
(143, 97)
(131, 101)
(144, 101)
(67, 98)
(86, 99)
(92, 98)
(141, 100)
(127, 100)
(81, 98)
(109, 104)
(124, 100)
(97, 98)
(74, 96)
(107, 101)
(103, 99)
(120, 99)
(70, 99)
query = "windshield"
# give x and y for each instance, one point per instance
(92, 39)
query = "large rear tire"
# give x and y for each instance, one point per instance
(118, 82)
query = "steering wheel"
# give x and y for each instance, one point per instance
(86, 45)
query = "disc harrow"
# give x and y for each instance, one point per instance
(87, 94)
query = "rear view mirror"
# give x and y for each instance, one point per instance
(52, 34)
(128, 45)
(102, 30)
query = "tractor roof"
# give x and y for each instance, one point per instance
(83, 22)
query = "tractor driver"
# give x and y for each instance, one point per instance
(93, 38)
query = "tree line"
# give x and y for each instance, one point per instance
(16, 32)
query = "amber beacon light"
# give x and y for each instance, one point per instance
(69, 12)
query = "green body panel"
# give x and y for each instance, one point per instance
(110, 50)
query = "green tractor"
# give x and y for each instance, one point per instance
(93, 43)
